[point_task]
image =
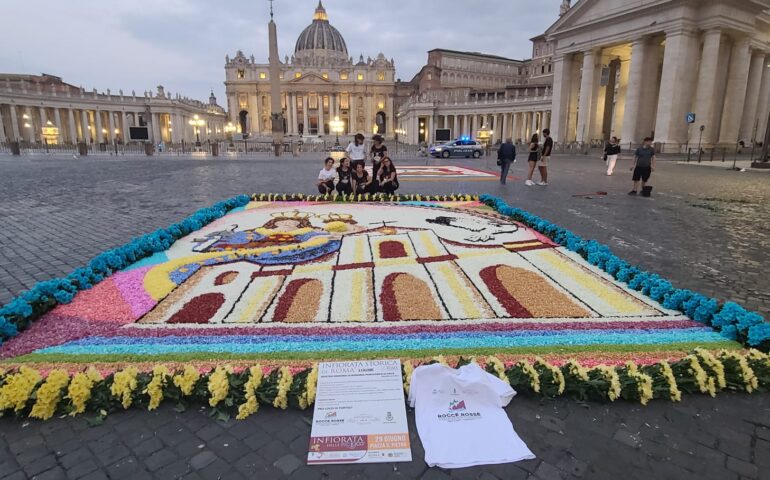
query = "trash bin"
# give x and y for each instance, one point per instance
(82, 149)
(215, 149)
(148, 149)
(15, 148)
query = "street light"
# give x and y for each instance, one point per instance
(337, 125)
(197, 123)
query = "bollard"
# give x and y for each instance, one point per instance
(82, 149)
(215, 149)
(148, 149)
(15, 148)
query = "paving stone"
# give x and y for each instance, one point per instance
(127, 467)
(55, 473)
(627, 438)
(202, 459)
(288, 463)
(744, 469)
(175, 469)
(546, 471)
(148, 447)
(82, 468)
(160, 459)
(40, 465)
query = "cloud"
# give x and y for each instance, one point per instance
(182, 43)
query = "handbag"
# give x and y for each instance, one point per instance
(499, 162)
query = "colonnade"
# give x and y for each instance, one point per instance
(518, 125)
(648, 86)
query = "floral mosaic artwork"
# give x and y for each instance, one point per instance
(443, 173)
(238, 308)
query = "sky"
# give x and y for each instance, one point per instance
(181, 44)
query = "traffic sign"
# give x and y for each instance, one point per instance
(690, 118)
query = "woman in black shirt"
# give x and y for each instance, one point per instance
(377, 153)
(344, 173)
(611, 152)
(360, 180)
(387, 177)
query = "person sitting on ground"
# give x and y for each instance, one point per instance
(377, 152)
(644, 164)
(360, 179)
(344, 172)
(611, 152)
(355, 151)
(534, 156)
(326, 177)
(387, 178)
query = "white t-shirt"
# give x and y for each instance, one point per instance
(460, 417)
(327, 175)
(355, 152)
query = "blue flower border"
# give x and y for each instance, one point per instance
(730, 319)
(30, 305)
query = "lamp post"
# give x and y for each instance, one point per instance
(197, 123)
(337, 125)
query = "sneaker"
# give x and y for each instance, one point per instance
(542, 183)
(529, 183)
(632, 192)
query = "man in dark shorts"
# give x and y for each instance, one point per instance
(545, 157)
(644, 164)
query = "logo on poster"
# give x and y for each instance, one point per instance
(457, 406)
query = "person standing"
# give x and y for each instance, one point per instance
(611, 152)
(545, 157)
(506, 155)
(326, 177)
(534, 154)
(644, 164)
(344, 173)
(355, 151)
(377, 153)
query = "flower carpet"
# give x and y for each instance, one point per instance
(235, 306)
(442, 173)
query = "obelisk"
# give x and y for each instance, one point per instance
(276, 112)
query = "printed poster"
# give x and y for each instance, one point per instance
(360, 414)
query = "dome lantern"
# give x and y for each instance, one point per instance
(320, 39)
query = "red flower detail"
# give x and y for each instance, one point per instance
(200, 309)
(511, 305)
(392, 249)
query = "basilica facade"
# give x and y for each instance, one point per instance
(319, 82)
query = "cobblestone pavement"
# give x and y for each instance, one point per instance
(704, 228)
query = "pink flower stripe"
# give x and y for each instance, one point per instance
(440, 327)
(131, 286)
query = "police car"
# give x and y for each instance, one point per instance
(463, 147)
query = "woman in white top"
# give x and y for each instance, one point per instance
(326, 177)
(355, 151)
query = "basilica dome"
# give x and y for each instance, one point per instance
(320, 38)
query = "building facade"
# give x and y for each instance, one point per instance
(37, 108)
(474, 94)
(636, 69)
(318, 83)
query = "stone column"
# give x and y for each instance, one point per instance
(71, 126)
(534, 123)
(764, 102)
(321, 114)
(547, 120)
(455, 126)
(620, 100)
(57, 119)
(111, 126)
(353, 115)
(749, 119)
(676, 85)
(124, 127)
(706, 100)
(587, 81)
(735, 96)
(305, 122)
(368, 114)
(155, 120)
(640, 50)
(389, 104)
(2, 125)
(504, 131)
(292, 98)
(14, 123)
(84, 126)
(43, 117)
(99, 128)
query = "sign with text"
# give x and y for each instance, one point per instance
(359, 415)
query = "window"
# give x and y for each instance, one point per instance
(262, 75)
(430, 76)
(325, 75)
(241, 73)
(344, 101)
(343, 75)
(297, 75)
(381, 76)
(380, 105)
(243, 101)
(313, 101)
(360, 77)
(280, 76)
